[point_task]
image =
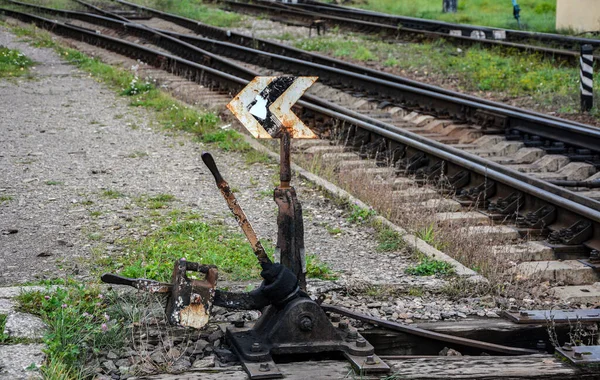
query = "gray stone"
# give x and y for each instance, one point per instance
(215, 335)
(23, 325)
(198, 347)
(181, 364)
(6, 306)
(207, 362)
(109, 366)
(111, 355)
(122, 363)
(173, 354)
(449, 352)
(14, 359)
(158, 357)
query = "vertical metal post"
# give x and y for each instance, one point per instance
(285, 170)
(587, 78)
(290, 226)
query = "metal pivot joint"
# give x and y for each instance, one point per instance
(291, 323)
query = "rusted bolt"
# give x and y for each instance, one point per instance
(343, 325)
(370, 360)
(238, 323)
(567, 347)
(594, 257)
(352, 335)
(540, 345)
(306, 324)
(256, 347)
(514, 309)
(335, 318)
(577, 355)
(264, 367)
(361, 342)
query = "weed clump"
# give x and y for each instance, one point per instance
(360, 215)
(79, 327)
(13, 63)
(430, 267)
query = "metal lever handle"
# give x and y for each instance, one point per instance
(151, 286)
(210, 163)
(110, 278)
(236, 209)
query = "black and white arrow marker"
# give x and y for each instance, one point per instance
(264, 107)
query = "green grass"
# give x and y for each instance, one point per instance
(5, 198)
(429, 267)
(13, 63)
(3, 338)
(389, 240)
(429, 236)
(112, 194)
(536, 15)
(360, 215)
(79, 326)
(53, 183)
(153, 257)
(155, 202)
(195, 10)
(59, 4)
(543, 83)
(95, 214)
(315, 268)
(254, 156)
(333, 230)
(137, 154)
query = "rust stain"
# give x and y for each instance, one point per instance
(194, 315)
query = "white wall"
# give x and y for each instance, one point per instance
(578, 15)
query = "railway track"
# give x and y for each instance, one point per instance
(475, 31)
(555, 46)
(572, 219)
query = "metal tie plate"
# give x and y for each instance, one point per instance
(580, 355)
(558, 316)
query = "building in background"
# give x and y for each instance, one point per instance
(578, 15)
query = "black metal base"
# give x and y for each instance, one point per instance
(300, 327)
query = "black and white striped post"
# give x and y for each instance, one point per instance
(587, 78)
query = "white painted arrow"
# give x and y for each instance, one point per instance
(240, 104)
(282, 108)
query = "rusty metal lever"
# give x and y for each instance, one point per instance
(150, 286)
(236, 209)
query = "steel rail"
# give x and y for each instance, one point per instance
(223, 65)
(412, 330)
(193, 52)
(357, 25)
(281, 49)
(442, 103)
(536, 190)
(442, 26)
(182, 66)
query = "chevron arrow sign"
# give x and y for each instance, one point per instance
(264, 107)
